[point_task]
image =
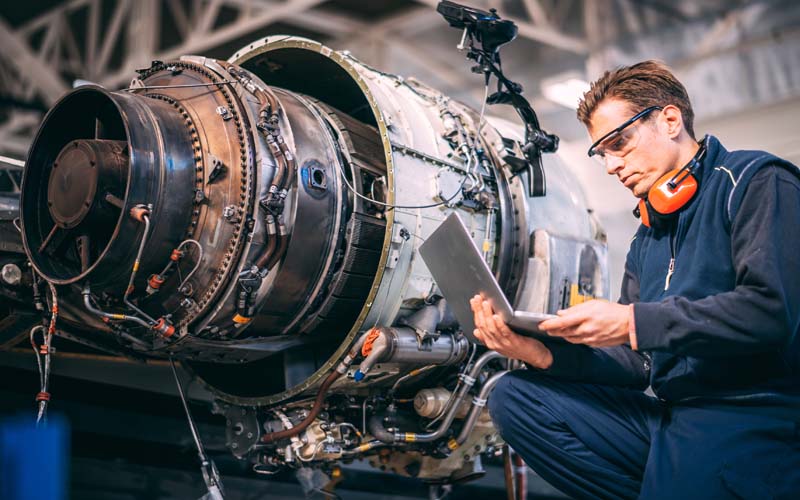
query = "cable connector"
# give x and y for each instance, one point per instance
(164, 327)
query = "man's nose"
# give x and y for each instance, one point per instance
(613, 164)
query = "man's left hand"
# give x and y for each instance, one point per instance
(596, 323)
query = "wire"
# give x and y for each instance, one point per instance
(391, 206)
(196, 266)
(209, 84)
(317, 447)
(388, 205)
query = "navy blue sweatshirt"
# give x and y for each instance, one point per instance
(724, 327)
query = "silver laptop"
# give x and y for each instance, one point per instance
(461, 273)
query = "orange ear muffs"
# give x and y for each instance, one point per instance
(667, 196)
(671, 192)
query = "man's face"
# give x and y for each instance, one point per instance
(649, 153)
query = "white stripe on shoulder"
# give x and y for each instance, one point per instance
(741, 175)
(730, 174)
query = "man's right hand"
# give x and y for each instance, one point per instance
(493, 332)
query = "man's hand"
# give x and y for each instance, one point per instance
(492, 331)
(596, 323)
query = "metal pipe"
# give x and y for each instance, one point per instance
(87, 293)
(271, 244)
(411, 374)
(477, 406)
(468, 381)
(126, 298)
(363, 448)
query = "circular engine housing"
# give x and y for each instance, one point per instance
(286, 192)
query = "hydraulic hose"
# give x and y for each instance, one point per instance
(340, 370)
(87, 293)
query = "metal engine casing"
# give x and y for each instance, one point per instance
(186, 143)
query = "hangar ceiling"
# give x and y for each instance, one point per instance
(50, 44)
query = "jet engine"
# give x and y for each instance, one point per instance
(258, 220)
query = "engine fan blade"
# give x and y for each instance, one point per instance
(56, 236)
(114, 200)
(99, 129)
(83, 246)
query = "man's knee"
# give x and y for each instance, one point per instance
(520, 399)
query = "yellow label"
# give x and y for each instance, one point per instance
(118, 316)
(486, 245)
(576, 298)
(452, 444)
(410, 437)
(136, 266)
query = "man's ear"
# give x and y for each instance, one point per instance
(673, 120)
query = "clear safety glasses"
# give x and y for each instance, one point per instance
(620, 141)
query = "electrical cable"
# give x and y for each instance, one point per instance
(380, 203)
(196, 266)
(391, 206)
(148, 87)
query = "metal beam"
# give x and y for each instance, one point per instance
(536, 12)
(218, 37)
(410, 21)
(328, 22)
(48, 82)
(553, 37)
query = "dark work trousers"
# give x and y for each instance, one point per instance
(595, 441)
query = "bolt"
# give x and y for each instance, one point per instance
(224, 113)
(229, 213)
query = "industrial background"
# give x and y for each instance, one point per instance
(740, 61)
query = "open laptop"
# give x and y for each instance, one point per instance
(461, 273)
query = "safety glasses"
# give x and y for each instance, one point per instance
(620, 141)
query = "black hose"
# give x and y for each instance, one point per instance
(375, 426)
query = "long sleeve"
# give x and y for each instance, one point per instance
(762, 312)
(609, 365)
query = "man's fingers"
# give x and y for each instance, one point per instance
(477, 311)
(502, 327)
(568, 320)
(487, 315)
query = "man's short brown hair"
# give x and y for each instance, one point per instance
(645, 84)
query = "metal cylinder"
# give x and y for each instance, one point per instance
(406, 347)
(431, 403)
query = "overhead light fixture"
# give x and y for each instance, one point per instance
(565, 89)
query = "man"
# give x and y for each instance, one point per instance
(708, 317)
